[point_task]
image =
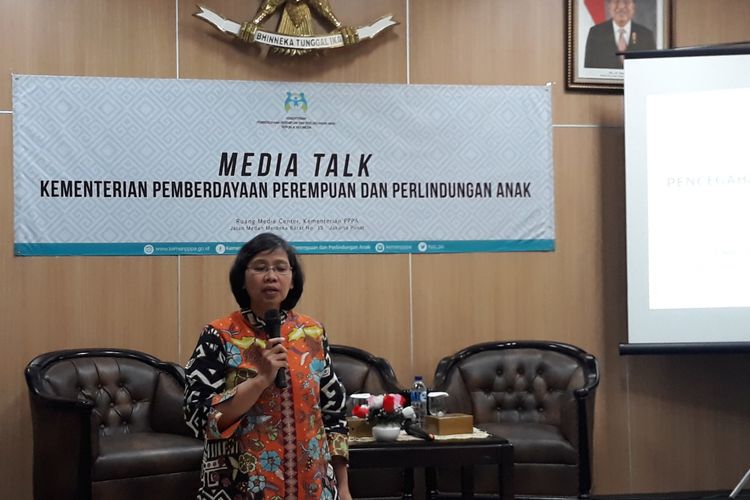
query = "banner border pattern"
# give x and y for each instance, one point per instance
(309, 248)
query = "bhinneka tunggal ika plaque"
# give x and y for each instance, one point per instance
(295, 33)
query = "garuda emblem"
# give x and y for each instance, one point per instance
(295, 34)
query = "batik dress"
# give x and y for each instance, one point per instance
(281, 448)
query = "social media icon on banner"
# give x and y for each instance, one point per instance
(148, 249)
(379, 247)
(220, 248)
(422, 246)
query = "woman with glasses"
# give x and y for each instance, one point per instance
(267, 436)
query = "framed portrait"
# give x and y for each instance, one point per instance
(599, 29)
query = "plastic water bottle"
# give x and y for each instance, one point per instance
(418, 396)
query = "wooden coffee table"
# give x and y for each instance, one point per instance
(463, 453)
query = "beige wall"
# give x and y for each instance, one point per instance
(662, 423)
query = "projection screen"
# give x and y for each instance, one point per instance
(687, 147)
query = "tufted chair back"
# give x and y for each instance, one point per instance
(538, 395)
(123, 392)
(521, 385)
(110, 423)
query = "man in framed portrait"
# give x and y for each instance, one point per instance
(619, 33)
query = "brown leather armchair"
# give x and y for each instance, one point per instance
(539, 396)
(108, 424)
(361, 371)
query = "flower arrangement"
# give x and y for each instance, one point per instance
(385, 409)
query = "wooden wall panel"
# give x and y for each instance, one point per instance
(86, 37)
(488, 42)
(207, 53)
(611, 445)
(689, 419)
(15, 470)
(698, 22)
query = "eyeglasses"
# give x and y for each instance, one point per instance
(263, 268)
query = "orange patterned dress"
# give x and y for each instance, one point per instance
(281, 448)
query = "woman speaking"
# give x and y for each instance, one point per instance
(261, 391)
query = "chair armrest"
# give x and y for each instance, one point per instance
(584, 417)
(577, 414)
(64, 441)
(591, 365)
(59, 403)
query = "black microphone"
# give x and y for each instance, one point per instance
(414, 430)
(273, 328)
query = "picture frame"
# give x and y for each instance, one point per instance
(592, 43)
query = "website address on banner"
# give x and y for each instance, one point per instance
(330, 247)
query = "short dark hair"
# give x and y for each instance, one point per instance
(265, 242)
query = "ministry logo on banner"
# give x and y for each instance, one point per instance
(295, 100)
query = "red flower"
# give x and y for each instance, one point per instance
(360, 411)
(392, 402)
(401, 400)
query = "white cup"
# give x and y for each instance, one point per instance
(357, 399)
(437, 403)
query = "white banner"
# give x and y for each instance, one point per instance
(115, 166)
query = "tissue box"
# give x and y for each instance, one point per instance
(358, 427)
(450, 423)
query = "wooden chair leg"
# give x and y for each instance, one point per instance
(408, 493)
